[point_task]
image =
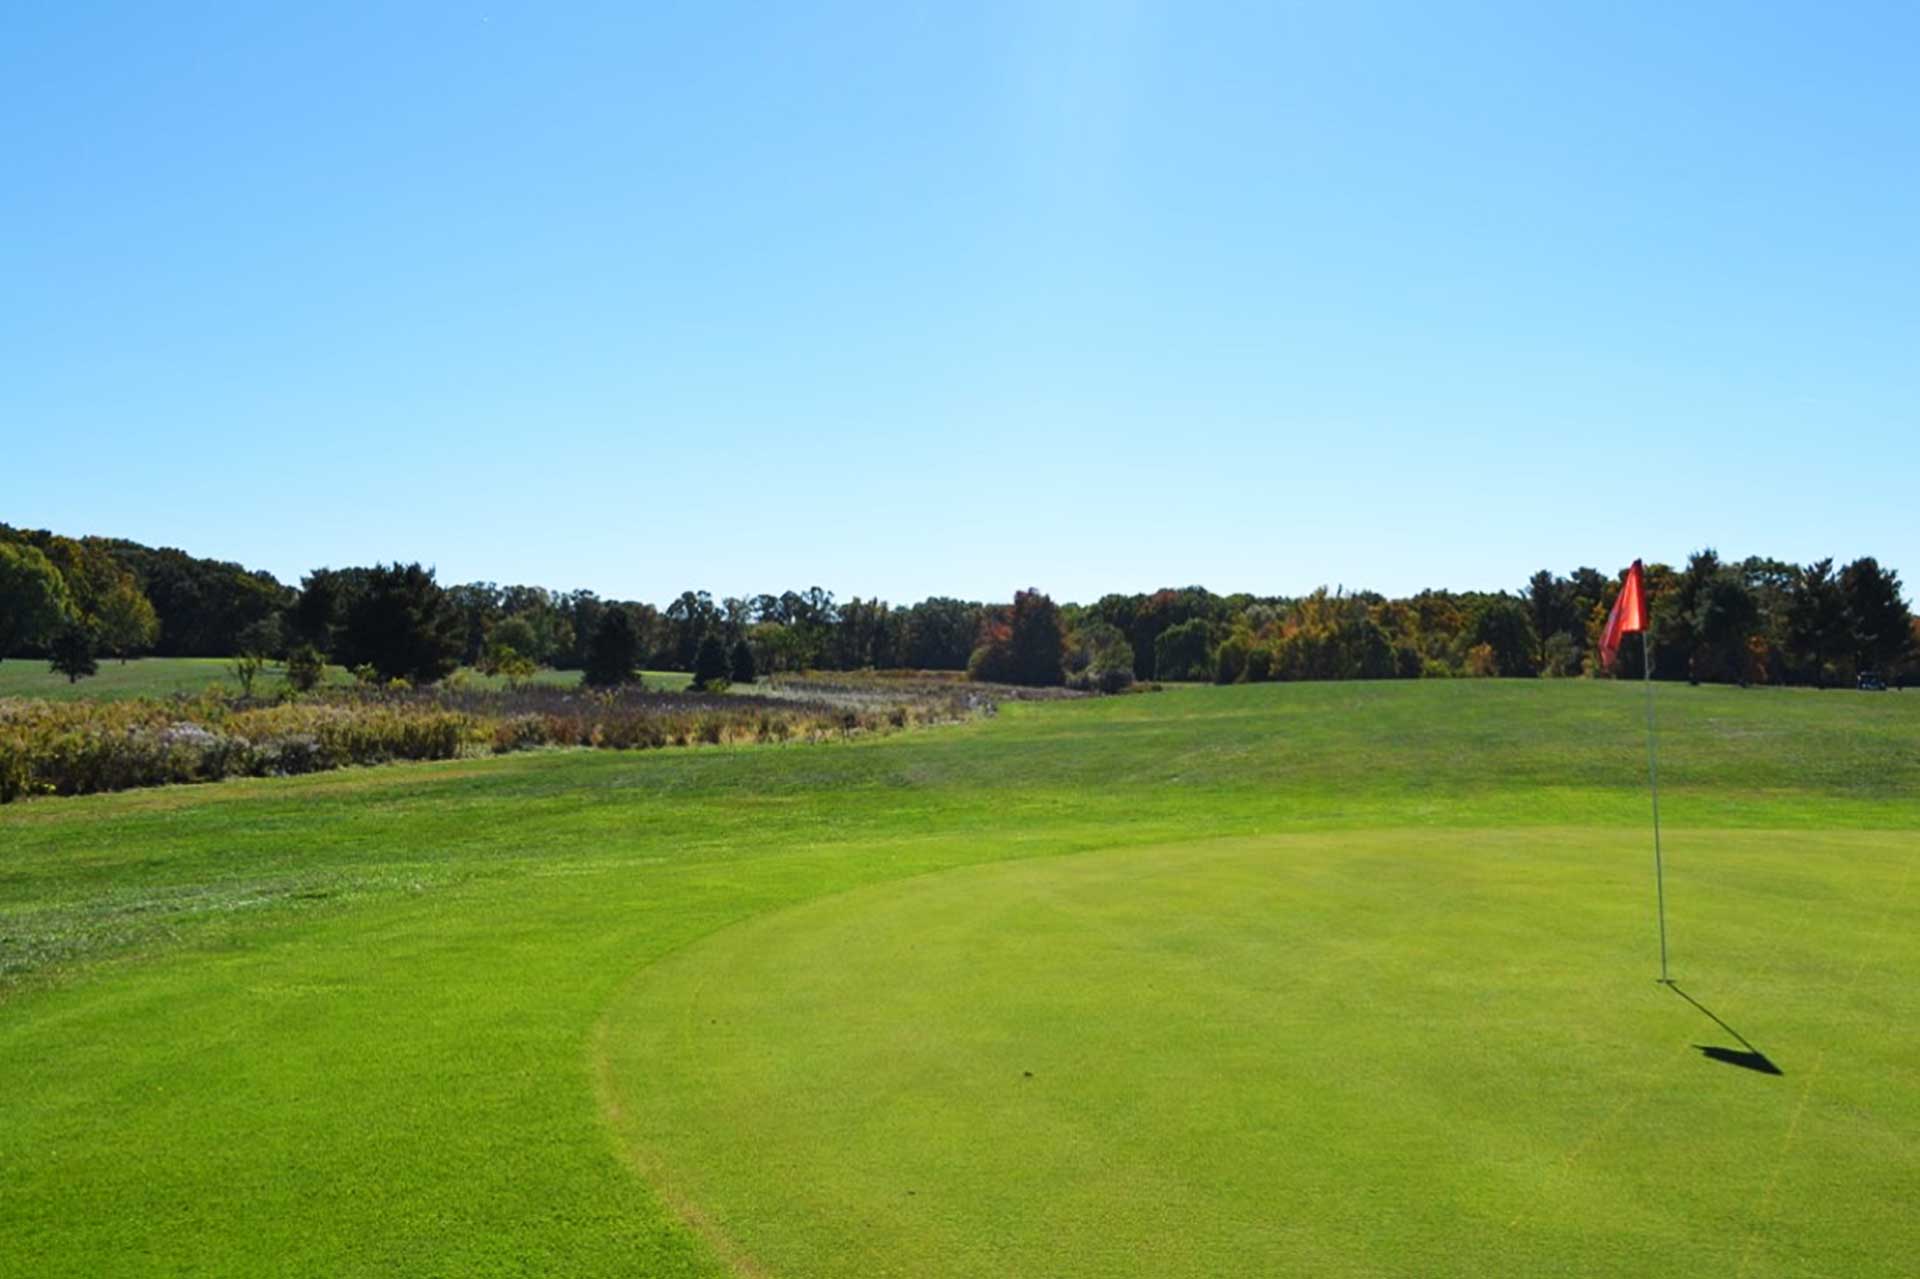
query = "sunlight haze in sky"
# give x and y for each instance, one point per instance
(924, 299)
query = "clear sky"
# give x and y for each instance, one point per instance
(903, 299)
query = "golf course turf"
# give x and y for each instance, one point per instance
(1336, 979)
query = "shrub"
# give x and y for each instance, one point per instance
(306, 667)
(991, 662)
(73, 748)
(246, 668)
(511, 666)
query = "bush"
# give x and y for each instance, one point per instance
(74, 748)
(246, 668)
(306, 667)
(991, 663)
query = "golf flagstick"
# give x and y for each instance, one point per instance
(1653, 786)
(1629, 614)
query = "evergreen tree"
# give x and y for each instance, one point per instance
(741, 663)
(404, 626)
(613, 654)
(1877, 618)
(709, 661)
(1818, 634)
(306, 667)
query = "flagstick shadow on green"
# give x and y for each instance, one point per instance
(1751, 1059)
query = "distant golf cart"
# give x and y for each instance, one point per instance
(1872, 683)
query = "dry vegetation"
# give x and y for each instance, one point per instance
(77, 748)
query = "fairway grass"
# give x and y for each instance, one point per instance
(1310, 979)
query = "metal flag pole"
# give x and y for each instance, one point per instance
(1653, 783)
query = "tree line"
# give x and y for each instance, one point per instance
(1752, 621)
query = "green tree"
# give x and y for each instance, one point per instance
(709, 662)
(740, 663)
(613, 654)
(71, 651)
(320, 611)
(1502, 624)
(404, 626)
(1552, 608)
(266, 637)
(941, 634)
(513, 635)
(1180, 652)
(992, 659)
(1819, 635)
(1710, 616)
(1230, 662)
(688, 619)
(1878, 621)
(126, 620)
(33, 598)
(1035, 643)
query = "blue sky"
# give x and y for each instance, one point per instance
(906, 299)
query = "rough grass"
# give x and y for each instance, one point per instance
(399, 1020)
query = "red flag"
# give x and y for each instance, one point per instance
(1629, 615)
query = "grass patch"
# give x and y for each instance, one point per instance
(160, 677)
(410, 1020)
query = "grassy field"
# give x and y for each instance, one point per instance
(166, 676)
(1312, 979)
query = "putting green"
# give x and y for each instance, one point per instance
(1429, 1052)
